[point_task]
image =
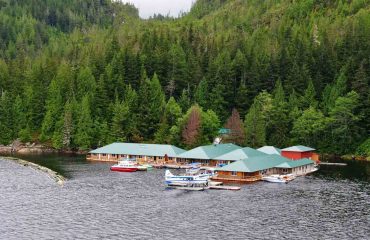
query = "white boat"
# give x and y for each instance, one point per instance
(276, 178)
(186, 179)
(144, 167)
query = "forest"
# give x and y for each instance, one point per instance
(79, 74)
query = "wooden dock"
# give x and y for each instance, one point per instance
(234, 188)
(333, 164)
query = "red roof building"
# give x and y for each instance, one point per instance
(299, 152)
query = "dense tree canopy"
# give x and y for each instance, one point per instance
(78, 74)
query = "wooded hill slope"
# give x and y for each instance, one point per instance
(78, 74)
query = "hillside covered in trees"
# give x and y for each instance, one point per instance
(78, 74)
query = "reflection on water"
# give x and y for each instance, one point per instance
(98, 204)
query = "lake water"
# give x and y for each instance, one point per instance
(95, 203)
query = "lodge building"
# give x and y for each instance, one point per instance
(252, 169)
(232, 162)
(300, 152)
(144, 153)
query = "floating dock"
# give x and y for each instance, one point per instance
(234, 188)
(333, 164)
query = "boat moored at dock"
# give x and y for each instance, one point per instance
(125, 165)
(276, 178)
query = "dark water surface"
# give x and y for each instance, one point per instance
(95, 203)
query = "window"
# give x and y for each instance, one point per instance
(233, 173)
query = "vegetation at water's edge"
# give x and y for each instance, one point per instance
(79, 74)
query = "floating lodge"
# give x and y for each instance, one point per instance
(232, 162)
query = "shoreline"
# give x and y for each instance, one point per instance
(34, 149)
(59, 179)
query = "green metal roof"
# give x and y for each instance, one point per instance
(270, 150)
(224, 131)
(295, 163)
(209, 152)
(239, 154)
(140, 149)
(255, 164)
(298, 148)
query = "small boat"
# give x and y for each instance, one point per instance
(141, 168)
(275, 178)
(125, 165)
(144, 167)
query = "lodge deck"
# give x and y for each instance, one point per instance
(234, 179)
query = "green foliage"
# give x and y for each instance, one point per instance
(74, 73)
(256, 120)
(364, 148)
(307, 129)
(344, 126)
(84, 128)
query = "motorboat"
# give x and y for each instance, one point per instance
(144, 167)
(125, 165)
(276, 178)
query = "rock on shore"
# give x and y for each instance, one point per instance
(25, 148)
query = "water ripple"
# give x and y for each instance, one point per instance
(98, 204)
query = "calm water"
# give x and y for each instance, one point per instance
(98, 204)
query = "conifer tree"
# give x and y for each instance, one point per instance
(202, 94)
(256, 120)
(309, 97)
(85, 83)
(279, 119)
(64, 128)
(54, 107)
(84, 128)
(184, 100)
(344, 116)
(5, 118)
(120, 116)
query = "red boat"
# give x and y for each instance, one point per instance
(127, 165)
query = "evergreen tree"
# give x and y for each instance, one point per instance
(54, 106)
(85, 83)
(184, 100)
(151, 105)
(242, 101)
(256, 120)
(64, 128)
(202, 94)
(309, 97)
(120, 115)
(5, 118)
(279, 119)
(84, 128)
(345, 130)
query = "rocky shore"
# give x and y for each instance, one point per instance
(20, 148)
(52, 174)
(25, 148)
